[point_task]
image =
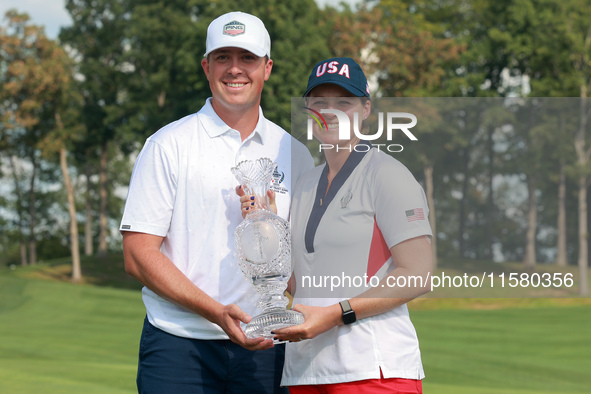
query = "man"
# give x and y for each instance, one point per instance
(179, 220)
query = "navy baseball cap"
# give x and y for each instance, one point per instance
(341, 71)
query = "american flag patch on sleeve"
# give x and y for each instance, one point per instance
(415, 214)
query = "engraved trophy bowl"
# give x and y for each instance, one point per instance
(263, 248)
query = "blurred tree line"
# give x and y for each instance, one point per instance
(74, 112)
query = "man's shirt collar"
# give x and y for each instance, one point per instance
(215, 126)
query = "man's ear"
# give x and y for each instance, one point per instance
(268, 68)
(205, 66)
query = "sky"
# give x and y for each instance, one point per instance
(52, 13)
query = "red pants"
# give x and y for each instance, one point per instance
(369, 386)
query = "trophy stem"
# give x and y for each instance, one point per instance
(273, 303)
(272, 287)
(270, 301)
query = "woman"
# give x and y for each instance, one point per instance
(360, 215)
(360, 197)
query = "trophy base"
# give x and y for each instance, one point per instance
(263, 324)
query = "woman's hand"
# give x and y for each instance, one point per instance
(317, 320)
(247, 202)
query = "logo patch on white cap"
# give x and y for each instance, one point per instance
(234, 28)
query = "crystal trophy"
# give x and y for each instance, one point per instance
(263, 248)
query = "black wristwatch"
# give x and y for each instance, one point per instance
(348, 313)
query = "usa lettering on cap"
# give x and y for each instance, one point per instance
(332, 68)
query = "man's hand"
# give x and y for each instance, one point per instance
(229, 320)
(247, 202)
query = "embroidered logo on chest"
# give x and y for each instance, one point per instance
(346, 198)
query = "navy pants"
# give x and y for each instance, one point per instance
(171, 364)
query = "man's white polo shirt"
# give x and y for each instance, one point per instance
(182, 189)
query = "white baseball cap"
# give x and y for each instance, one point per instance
(239, 30)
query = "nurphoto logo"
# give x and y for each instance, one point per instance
(392, 123)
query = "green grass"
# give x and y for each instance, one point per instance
(57, 337)
(509, 350)
(63, 338)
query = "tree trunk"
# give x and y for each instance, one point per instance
(463, 201)
(74, 246)
(583, 256)
(583, 159)
(33, 214)
(75, 251)
(532, 218)
(561, 258)
(19, 212)
(88, 245)
(23, 249)
(582, 261)
(428, 170)
(490, 200)
(102, 246)
(161, 99)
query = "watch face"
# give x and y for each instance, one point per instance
(349, 317)
(348, 313)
